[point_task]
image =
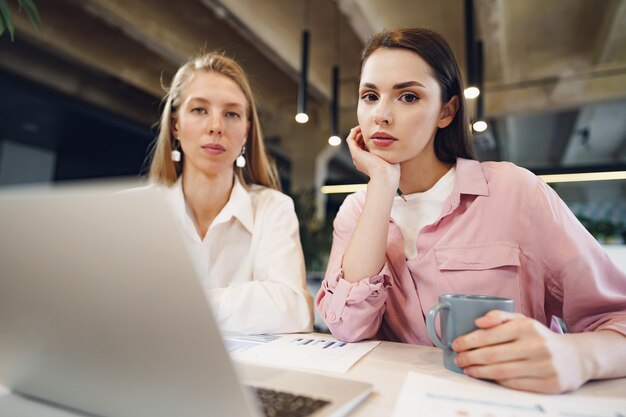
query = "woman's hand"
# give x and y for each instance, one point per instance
(521, 353)
(371, 165)
(365, 255)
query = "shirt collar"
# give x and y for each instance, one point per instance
(239, 205)
(470, 178)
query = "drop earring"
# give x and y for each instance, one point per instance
(241, 160)
(176, 151)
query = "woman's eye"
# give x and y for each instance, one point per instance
(409, 97)
(198, 110)
(232, 115)
(369, 97)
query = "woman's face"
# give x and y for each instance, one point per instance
(400, 106)
(211, 123)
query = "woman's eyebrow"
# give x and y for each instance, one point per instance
(204, 100)
(406, 84)
(196, 98)
(398, 86)
(369, 85)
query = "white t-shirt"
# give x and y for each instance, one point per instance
(250, 262)
(421, 209)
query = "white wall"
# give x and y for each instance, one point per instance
(618, 254)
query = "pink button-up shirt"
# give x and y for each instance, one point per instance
(502, 232)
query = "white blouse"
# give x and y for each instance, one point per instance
(421, 209)
(250, 263)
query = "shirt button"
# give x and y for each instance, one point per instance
(332, 317)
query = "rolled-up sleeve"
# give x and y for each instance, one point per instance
(579, 275)
(352, 311)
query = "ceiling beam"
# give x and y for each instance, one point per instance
(182, 29)
(275, 28)
(40, 66)
(80, 37)
(555, 93)
(611, 39)
(490, 24)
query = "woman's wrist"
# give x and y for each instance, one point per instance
(602, 353)
(382, 188)
(385, 177)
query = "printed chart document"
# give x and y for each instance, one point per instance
(304, 351)
(431, 396)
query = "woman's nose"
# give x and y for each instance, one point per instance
(382, 116)
(215, 125)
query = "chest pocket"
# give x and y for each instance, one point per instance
(485, 269)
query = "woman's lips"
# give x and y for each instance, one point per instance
(213, 149)
(383, 142)
(382, 139)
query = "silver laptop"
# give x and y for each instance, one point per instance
(101, 314)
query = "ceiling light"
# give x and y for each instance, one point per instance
(302, 117)
(334, 141)
(479, 126)
(471, 93)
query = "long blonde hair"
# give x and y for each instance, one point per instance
(259, 168)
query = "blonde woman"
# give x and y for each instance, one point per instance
(241, 231)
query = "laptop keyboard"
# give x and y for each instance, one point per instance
(284, 404)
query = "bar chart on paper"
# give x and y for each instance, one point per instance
(297, 351)
(319, 343)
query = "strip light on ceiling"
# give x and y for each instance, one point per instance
(551, 178)
(584, 176)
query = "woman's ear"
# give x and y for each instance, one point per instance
(174, 127)
(448, 112)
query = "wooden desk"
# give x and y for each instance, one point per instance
(386, 368)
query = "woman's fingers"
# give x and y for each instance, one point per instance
(503, 333)
(512, 370)
(496, 317)
(520, 353)
(492, 354)
(351, 139)
(499, 327)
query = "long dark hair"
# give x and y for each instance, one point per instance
(452, 141)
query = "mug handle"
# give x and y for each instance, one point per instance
(431, 328)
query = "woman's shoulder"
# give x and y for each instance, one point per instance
(509, 176)
(263, 197)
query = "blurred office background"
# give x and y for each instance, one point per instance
(81, 94)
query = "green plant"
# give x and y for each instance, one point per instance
(315, 234)
(603, 229)
(6, 20)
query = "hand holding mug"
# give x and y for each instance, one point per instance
(458, 313)
(521, 353)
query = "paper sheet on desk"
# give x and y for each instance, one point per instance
(424, 395)
(305, 351)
